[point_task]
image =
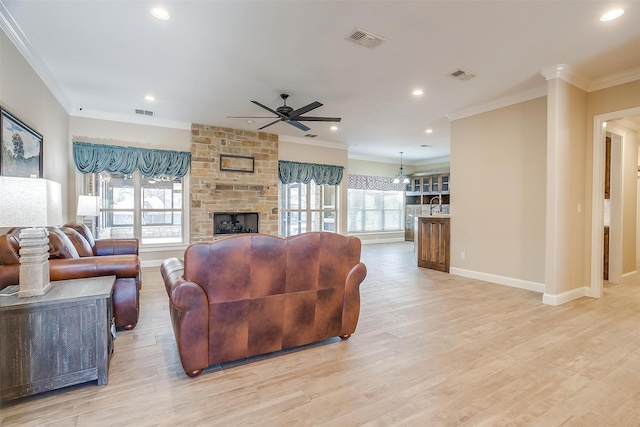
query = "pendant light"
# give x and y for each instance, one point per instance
(400, 176)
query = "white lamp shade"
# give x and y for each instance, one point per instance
(88, 206)
(29, 202)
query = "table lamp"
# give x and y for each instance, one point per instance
(88, 209)
(34, 203)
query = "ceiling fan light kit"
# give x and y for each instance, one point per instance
(293, 117)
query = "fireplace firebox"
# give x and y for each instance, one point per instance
(235, 222)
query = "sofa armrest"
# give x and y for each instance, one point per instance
(9, 275)
(189, 309)
(351, 307)
(122, 266)
(115, 247)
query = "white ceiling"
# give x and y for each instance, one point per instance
(212, 57)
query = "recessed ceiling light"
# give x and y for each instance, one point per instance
(417, 92)
(429, 130)
(150, 98)
(612, 14)
(160, 13)
(334, 127)
(250, 121)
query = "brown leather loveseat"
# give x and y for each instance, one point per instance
(74, 254)
(254, 294)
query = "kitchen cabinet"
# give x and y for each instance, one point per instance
(432, 236)
(419, 191)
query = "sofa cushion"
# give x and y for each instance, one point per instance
(60, 247)
(79, 242)
(83, 230)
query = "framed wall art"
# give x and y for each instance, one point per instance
(21, 153)
(236, 163)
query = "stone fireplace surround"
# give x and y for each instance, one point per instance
(225, 223)
(215, 191)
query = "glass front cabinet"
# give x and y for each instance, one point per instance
(421, 189)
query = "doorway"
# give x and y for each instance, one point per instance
(597, 208)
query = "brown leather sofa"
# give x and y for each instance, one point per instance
(254, 294)
(74, 254)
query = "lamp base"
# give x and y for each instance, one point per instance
(34, 262)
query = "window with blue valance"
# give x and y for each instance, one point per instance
(290, 172)
(95, 158)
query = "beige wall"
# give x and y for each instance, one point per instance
(129, 135)
(373, 168)
(624, 197)
(498, 169)
(24, 94)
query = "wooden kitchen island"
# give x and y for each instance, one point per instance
(432, 241)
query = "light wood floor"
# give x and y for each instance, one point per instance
(431, 349)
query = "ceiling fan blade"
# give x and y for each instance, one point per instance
(299, 125)
(305, 109)
(249, 117)
(267, 108)
(272, 123)
(317, 119)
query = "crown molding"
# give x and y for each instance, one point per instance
(628, 123)
(615, 79)
(379, 159)
(136, 120)
(568, 74)
(20, 41)
(499, 103)
(435, 160)
(316, 142)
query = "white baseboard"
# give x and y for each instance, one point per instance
(388, 240)
(629, 277)
(501, 280)
(567, 296)
(151, 263)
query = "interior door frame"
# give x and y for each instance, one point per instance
(597, 190)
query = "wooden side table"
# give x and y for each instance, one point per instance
(58, 339)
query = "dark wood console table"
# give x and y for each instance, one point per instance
(58, 339)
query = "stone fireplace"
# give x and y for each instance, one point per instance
(225, 223)
(215, 191)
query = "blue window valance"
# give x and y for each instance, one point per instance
(290, 172)
(95, 158)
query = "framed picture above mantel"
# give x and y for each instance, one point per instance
(236, 163)
(21, 148)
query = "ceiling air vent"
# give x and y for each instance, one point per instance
(461, 74)
(365, 38)
(144, 112)
(310, 135)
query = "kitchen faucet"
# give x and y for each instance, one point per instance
(439, 197)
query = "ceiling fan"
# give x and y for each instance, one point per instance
(289, 115)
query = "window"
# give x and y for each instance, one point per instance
(375, 210)
(146, 208)
(307, 207)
